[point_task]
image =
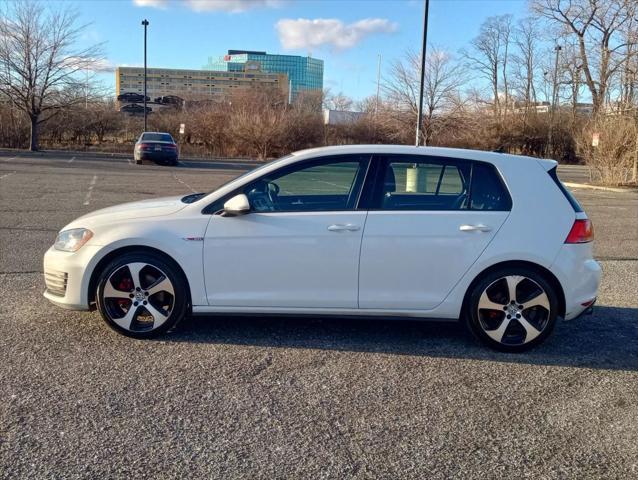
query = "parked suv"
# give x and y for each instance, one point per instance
(156, 146)
(491, 239)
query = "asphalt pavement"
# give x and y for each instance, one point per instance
(255, 397)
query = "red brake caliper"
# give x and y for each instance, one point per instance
(126, 285)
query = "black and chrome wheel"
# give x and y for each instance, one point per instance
(141, 295)
(512, 309)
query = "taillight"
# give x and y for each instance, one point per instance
(582, 232)
(143, 146)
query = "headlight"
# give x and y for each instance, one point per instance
(72, 240)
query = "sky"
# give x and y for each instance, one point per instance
(348, 35)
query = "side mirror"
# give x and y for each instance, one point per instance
(238, 205)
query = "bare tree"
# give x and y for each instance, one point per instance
(39, 65)
(336, 101)
(597, 27)
(443, 80)
(488, 56)
(525, 60)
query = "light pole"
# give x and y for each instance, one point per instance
(550, 149)
(376, 105)
(419, 119)
(145, 23)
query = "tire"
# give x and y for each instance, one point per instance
(502, 325)
(138, 161)
(146, 307)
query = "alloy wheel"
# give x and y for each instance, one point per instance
(514, 310)
(138, 297)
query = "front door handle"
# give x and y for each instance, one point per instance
(475, 228)
(340, 227)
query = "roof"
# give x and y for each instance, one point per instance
(492, 157)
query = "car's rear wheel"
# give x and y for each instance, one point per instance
(141, 295)
(512, 309)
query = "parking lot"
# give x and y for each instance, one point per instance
(255, 397)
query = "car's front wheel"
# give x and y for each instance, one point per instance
(141, 295)
(512, 309)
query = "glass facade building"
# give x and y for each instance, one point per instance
(304, 73)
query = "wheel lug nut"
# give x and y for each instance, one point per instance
(138, 289)
(146, 293)
(145, 302)
(518, 315)
(135, 304)
(505, 307)
(130, 295)
(509, 316)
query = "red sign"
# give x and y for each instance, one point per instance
(226, 58)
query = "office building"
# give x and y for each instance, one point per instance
(304, 73)
(194, 84)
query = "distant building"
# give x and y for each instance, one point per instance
(538, 107)
(341, 117)
(304, 73)
(193, 84)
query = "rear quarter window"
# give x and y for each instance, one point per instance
(568, 195)
(488, 192)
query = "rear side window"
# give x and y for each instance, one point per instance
(568, 195)
(435, 183)
(422, 183)
(488, 191)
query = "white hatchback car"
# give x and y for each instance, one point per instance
(372, 230)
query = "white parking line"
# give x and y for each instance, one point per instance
(72, 158)
(87, 199)
(9, 159)
(184, 183)
(6, 175)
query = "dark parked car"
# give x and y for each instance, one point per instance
(135, 108)
(170, 100)
(156, 146)
(131, 97)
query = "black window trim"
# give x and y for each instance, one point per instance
(380, 162)
(360, 181)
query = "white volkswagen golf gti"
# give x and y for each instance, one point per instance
(374, 230)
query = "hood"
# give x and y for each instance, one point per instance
(156, 207)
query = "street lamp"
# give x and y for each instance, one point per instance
(145, 23)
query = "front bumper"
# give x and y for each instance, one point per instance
(67, 277)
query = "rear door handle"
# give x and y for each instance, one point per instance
(340, 227)
(475, 228)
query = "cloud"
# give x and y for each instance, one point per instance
(305, 33)
(151, 3)
(230, 6)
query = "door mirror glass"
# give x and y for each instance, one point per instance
(238, 205)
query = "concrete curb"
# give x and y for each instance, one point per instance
(124, 156)
(600, 187)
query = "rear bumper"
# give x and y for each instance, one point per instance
(579, 275)
(156, 156)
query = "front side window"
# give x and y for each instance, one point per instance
(321, 185)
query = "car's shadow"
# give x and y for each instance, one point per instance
(608, 339)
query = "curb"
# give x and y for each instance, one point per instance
(599, 187)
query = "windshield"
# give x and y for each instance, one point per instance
(157, 137)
